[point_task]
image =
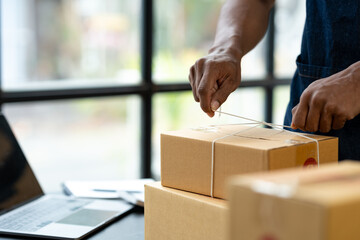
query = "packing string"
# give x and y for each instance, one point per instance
(257, 123)
(213, 155)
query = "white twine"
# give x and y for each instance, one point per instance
(213, 155)
(258, 123)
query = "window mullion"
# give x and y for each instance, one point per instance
(146, 73)
(270, 45)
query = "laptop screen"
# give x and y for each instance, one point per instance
(18, 183)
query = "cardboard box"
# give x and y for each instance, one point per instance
(172, 214)
(186, 155)
(316, 204)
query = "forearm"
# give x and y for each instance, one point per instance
(241, 26)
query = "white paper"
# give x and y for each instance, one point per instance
(130, 190)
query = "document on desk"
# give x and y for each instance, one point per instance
(129, 190)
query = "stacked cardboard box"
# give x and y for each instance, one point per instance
(201, 160)
(172, 214)
(319, 204)
(186, 155)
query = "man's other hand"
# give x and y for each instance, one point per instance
(213, 78)
(329, 102)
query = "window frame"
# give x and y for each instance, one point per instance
(147, 87)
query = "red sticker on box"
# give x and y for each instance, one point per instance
(310, 162)
(267, 237)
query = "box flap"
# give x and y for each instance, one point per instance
(246, 136)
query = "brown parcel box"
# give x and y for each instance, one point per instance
(315, 204)
(186, 155)
(172, 214)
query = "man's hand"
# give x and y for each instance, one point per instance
(213, 78)
(328, 103)
(242, 24)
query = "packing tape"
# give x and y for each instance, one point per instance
(257, 124)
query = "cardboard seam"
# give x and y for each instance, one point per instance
(329, 138)
(188, 197)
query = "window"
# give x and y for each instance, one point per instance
(79, 139)
(91, 84)
(184, 31)
(289, 22)
(54, 44)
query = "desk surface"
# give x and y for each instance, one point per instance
(129, 227)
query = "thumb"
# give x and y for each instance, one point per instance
(220, 96)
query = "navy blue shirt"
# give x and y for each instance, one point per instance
(331, 43)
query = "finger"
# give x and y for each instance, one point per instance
(325, 121)
(338, 122)
(198, 74)
(299, 118)
(313, 117)
(293, 111)
(192, 83)
(206, 89)
(222, 94)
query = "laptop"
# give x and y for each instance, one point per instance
(26, 211)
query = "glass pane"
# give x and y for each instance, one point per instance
(175, 111)
(289, 22)
(55, 43)
(253, 63)
(184, 32)
(281, 100)
(92, 139)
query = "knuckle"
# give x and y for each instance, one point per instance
(341, 114)
(210, 61)
(293, 111)
(305, 95)
(201, 91)
(330, 108)
(200, 62)
(214, 89)
(211, 64)
(317, 100)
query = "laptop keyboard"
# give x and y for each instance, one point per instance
(32, 217)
